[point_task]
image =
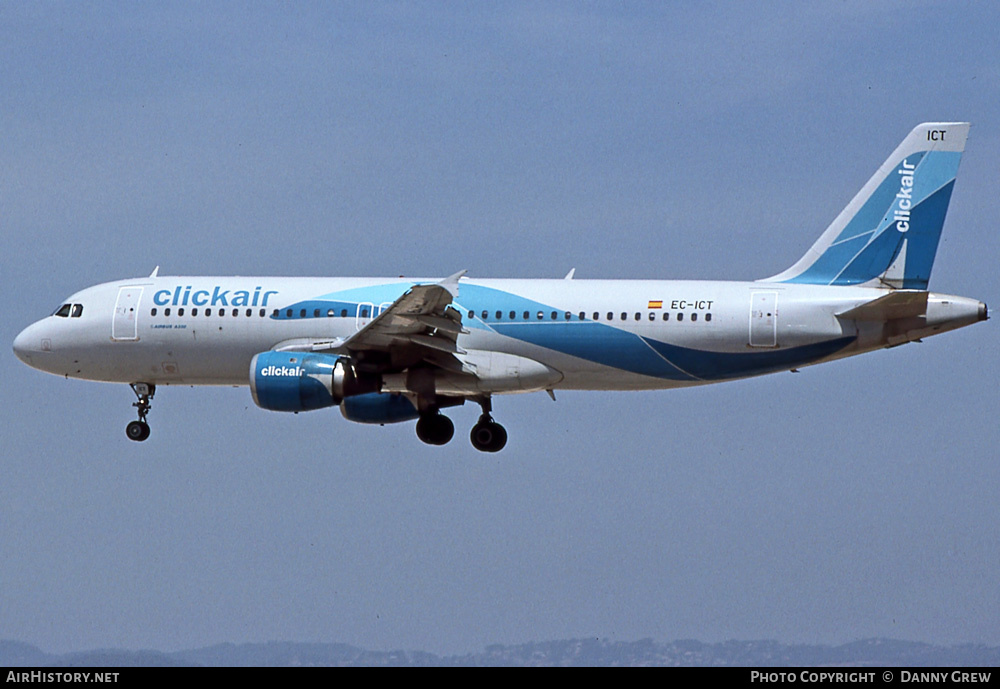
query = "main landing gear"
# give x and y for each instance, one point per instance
(434, 428)
(139, 430)
(487, 435)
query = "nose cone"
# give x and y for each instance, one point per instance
(31, 341)
(21, 346)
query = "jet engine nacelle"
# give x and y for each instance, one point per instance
(378, 407)
(301, 381)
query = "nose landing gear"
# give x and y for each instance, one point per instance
(139, 430)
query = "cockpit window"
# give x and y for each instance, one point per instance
(63, 311)
(77, 310)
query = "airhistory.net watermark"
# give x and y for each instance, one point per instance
(62, 677)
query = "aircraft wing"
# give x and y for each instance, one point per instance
(419, 325)
(422, 317)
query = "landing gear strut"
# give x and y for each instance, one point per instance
(487, 435)
(434, 428)
(139, 430)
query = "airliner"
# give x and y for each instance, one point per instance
(388, 350)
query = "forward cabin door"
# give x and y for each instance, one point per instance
(124, 325)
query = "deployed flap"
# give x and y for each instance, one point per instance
(899, 304)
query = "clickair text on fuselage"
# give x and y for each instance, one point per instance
(185, 295)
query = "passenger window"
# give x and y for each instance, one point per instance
(568, 315)
(180, 311)
(208, 312)
(194, 312)
(262, 312)
(166, 312)
(611, 316)
(554, 315)
(694, 316)
(288, 313)
(236, 312)
(153, 311)
(472, 315)
(526, 315)
(513, 315)
(499, 315)
(343, 313)
(77, 310)
(62, 311)
(680, 316)
(624, 316)
(315, 313)
(329, 313)
(541, 315)
(708, 317)
(485, 314)
(249, 313)
(666, 315)
(652, 316)
(302, 313)
(638, 315)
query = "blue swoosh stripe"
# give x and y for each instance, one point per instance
(596, 342)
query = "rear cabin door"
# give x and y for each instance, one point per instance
(763, 319)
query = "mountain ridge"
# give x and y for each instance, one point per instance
(567, 652)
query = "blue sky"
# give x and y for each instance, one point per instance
(660, 140)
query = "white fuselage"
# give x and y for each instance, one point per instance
(589, 334)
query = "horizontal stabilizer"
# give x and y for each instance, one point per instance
(895, 305)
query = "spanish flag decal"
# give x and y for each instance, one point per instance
(658, 304)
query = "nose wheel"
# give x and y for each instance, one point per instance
(139, 430)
